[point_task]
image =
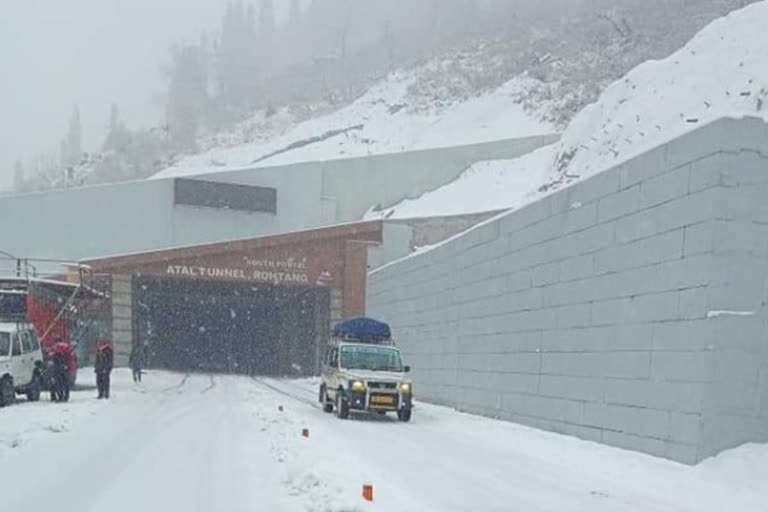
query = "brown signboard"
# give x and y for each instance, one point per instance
(314, 265)
(335, 256)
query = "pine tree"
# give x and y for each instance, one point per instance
(18, 176)
(187, 96)
(74, 138)
(63, 153)
(267, 21)
(114, 118)
(118, 136)
(266, 37)
(315, 9)
(294, 18)
(236, 63)
(250, 20)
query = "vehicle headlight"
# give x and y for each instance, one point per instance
(357, 386)
(405, 387)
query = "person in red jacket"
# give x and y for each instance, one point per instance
(103, 367)
(59, 355)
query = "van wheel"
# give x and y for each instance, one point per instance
(404, 415)
(7, 392)
(327, 406)
(342, 407)
(34, 389)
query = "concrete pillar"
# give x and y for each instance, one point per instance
(355, 273)
(336, 306)
(321, 309)
(122, 317)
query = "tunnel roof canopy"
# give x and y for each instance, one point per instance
(367, 231)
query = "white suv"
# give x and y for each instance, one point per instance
(21, 361)
(365, 377)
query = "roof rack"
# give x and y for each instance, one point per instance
(388, 343)
(363, 330)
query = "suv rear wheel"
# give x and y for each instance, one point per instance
(7, 392)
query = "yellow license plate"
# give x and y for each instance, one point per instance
(382, 400)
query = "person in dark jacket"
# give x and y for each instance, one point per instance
(103, 367)
(136, 362)
(59, 371)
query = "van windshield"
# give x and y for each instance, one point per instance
(371, 358)
(5, 343)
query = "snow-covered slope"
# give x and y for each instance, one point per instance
(384, 120)
(486, 186)
(721, 72)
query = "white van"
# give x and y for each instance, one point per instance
(21, 363)
(365, 377)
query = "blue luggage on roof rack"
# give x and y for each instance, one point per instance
(362, 329)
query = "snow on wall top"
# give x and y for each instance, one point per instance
(382, 121)
(486, 186)
(721, 72)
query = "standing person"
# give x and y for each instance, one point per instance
(59, 377)
(136, 362)
(103, 367)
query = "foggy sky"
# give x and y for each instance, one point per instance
(56, 53)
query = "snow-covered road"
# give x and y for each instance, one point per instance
(208, 443)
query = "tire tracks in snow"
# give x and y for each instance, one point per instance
(177, 387)
(210, 386)
(303, 398)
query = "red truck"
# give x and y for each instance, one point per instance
(50, 306)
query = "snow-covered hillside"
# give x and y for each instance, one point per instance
(721, 72)
(384, 120)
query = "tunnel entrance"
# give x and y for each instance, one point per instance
(260, 306)
(230, 327)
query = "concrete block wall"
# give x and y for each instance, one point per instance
(590, 312)
(736, 402)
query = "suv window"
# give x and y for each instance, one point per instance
(35, 341)
(16, 345)
(26, 342)
(371, 357)
(5, 343)
(333, 358)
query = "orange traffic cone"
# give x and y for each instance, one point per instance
(368, 492)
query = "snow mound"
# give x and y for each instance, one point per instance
(746, 465)
(384, 120)
(721, 72)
